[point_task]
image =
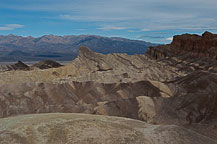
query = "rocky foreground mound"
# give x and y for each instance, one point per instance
(90, 129)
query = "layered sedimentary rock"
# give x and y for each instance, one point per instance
(90, 66)
(170, 84)
(118, 99)
(195, 96)
(114, 75)
(194, 100)
(92, 83)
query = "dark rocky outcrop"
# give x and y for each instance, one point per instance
(46, 64)
(17, 66)
(204, 46)
(188, 52)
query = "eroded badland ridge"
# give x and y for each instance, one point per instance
(170, 87)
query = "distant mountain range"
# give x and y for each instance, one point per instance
(63, 48)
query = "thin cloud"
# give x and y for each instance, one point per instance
(169, 39)
(149, 36)
(111, 28)
(81, 29)
(11, 27)
(159, 32)
(132, 31)
(154, 15)
(92, 18)
(144, 29)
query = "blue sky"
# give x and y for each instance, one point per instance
(150, 20)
